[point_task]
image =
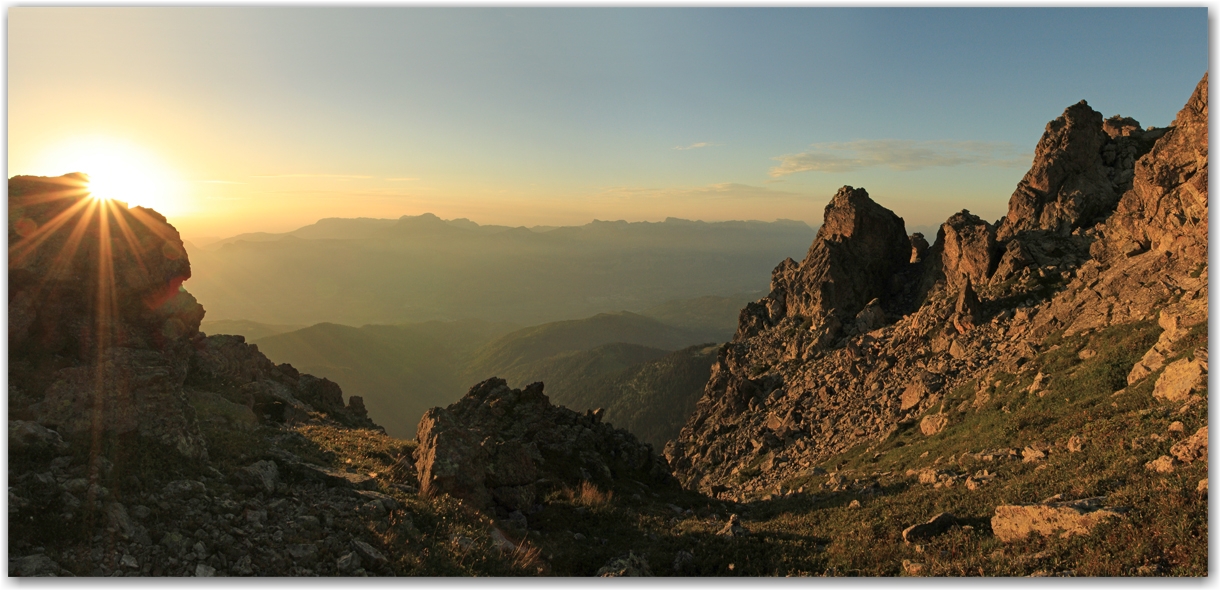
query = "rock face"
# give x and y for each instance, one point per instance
(1081, 166)
(104, 339)
(123, 414)
(967, 248)
(500, 447)
(873, 329)
(1166, 208)
(1017, 522)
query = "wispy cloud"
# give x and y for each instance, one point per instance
(899, 154)
(332, 176)
(219, 182)
(718, 191)
(695, 146)
(404, 179)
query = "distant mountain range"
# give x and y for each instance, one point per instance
(421, 268)
(623, 362)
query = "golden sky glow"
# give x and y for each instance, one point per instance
(231, 120)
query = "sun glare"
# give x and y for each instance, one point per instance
(117, 171)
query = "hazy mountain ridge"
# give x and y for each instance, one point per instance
(424, 268)
(402, 370)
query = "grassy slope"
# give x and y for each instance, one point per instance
(536, 343)
(400, 371)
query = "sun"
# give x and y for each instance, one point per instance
(118, 171)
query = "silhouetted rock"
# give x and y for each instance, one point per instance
(495, 445)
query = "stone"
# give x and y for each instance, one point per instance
(935, 526)
(1017, 522)
(1075, 444)
(138, 391)
(967, 312)
(933, 423)
(204, 571)
(1032, 455)
(630, 565)
(500, 542)
(1176, 427)
(348, 562)
(1202, 487)
(1192, 449)
(870, 318)
(913, 568)
(368, 554)
(37, 565)
(31, 437)
(263, 475)
(733, 527)
(1162, 464)
(1180, 379)
(302, 551)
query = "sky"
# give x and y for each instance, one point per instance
(231, 120)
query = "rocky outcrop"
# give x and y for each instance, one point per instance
(86, 274)
(501, 448)
(1166, 208)
(859, 248)
(966, 246)
(103, 337)
(1081, 167)
(803, 381)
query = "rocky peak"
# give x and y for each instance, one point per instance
(857, 251)
(1081, 166)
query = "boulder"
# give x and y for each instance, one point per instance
(492, 447)
(1162, 464)
(1192, 449)
(625, 566)
(733, 527)
(263, 475)
(935, 526)
(34, 438)
(967, 248)
(933, 423)
(1017, 522)
(1180, 379)
(923, 385)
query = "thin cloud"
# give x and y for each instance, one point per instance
(219, 182)
(899, 154)
(334, 176)
(404, 179)
(718, 191)
(695, 146)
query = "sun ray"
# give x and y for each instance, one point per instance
(129, 236)
(19, 251)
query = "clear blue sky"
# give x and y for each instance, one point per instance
(270, 118)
